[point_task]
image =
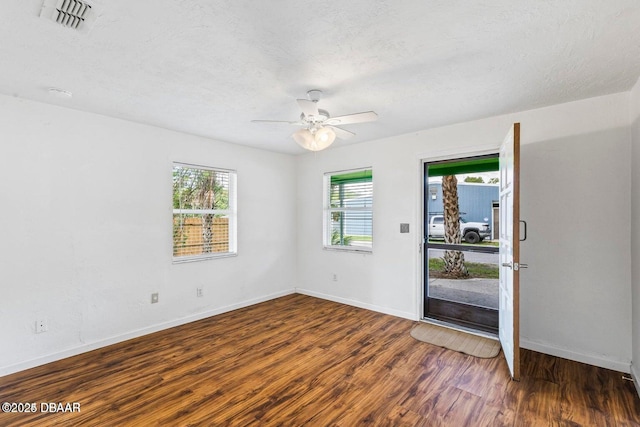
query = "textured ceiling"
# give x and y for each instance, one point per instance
(209, 67)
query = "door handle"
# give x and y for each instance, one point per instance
(516, 266)
(525, 232)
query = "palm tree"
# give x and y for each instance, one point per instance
(453, 260)
(205, 197)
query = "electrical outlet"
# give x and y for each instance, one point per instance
(199, 292)
(41, 326)
(335, 277)
(154, 298)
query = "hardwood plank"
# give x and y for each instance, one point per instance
(299, 360)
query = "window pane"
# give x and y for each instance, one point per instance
(351, 228)
(351, 195)
(200, 234)
(200, 189)
(479, 289)
(349, 218)
(203, 215)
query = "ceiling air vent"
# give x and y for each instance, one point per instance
(74, 14)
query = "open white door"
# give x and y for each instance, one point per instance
(509, 290)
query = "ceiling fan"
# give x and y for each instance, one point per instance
(319, 129)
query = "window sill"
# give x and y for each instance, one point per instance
(352, 249)
(182, 260)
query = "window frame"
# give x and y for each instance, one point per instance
(328, 210)
(231, 213)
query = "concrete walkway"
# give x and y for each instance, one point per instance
(482, 292)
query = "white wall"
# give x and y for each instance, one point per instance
(85, 231)
(85, 228)
(575, 296)
(635, 228)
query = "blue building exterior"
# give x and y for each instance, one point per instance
(475, 200)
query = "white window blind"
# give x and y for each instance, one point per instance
(349, 210)
(204, 212)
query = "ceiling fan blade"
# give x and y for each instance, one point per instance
(309, 108)
(341, 133)
(277, 121)
(367, 116)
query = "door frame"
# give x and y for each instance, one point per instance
(457, 313)
(421, 159)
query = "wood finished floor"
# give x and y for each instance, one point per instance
(299, 360)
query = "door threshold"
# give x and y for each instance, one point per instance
(459, 328)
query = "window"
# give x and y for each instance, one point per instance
(204, 212)
(348, 215)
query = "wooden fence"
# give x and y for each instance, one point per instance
(189, 238)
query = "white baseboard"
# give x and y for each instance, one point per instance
(6, 370)
(635, 374)
(590, 359)
(354, 303)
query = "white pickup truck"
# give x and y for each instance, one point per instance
(471, 232)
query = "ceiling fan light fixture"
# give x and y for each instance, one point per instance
(304, 138)
(314, 139)
(319, 129)
(324, 137)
